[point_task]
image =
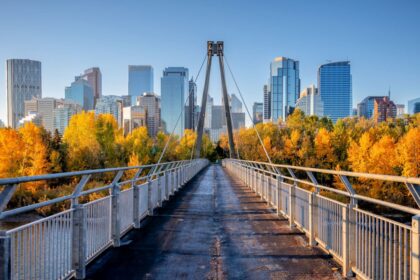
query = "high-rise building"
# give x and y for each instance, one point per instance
(267, 104)
(30, 106)
(174, 89)
(414, 106)
(110, 104)
(32, 117)
(151, 103)
(257, 112)
(190, 115)
(335, 88)
(284, 87)
(23, 80)
(133, 117)
(209, 112)
(63, 113)
(126, 100)
(94, 77)
(235, 104)
(400, 110)
(46, 108)
(365, 108)
(140, 80)
(384, 109)
(80, 92)
(310, 102)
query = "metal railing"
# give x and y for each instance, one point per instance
(367, 244)
(61, 245)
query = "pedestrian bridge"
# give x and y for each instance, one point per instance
(193, 220)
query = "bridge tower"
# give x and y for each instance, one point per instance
(215, 48)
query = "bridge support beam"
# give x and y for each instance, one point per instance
(415, 247)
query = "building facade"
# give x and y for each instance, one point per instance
(174, 90)
(257, 112)
(235, 104)
(140, 80)
(267, 103)
(384, 109)
(400, 110)
(414, 106)
(94, 77)
(151, 103)
(133, 117)
(284, 87)
(110, 104)
(23, 82)
(80, 92)
(365, 108)
(335, 88)
(310, 102)
(63, 113)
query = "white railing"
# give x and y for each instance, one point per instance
(60, 246)
(367, 244)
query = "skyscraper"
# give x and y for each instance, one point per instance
(80, 92)
(310, 102)
(335, 88)
(174, 89)
(235, 104)
(44, 108)
(414, 106)
(209, 112)
(267, 103)
(23, 78)
(133, 117)
(94, 77)
(151, 103)
(257, 112)
(190, 121)
(140, 80)
(110, 104)
(284, 86)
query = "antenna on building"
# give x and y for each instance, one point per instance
(389, 92)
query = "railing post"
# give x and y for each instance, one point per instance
(292, 209)
(136, 199)
(159, 182)
(79, 234)
(150, 205)
(5, 255)
(166, 175)
(312, 217)
(278, 193)
(346, 241)
(115, 209)
(415, 247)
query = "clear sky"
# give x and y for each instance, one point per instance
(381, 38)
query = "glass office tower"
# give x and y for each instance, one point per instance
(80, 92)
(140, 80)
(284, 86)
(23, 80)
(174, 90)
(335, 88)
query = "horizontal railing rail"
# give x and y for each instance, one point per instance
(368, 244)
(61, 245)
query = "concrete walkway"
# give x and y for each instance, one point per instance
(215, 228)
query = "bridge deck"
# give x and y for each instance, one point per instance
(215, 228)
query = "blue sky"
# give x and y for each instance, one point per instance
(380, 38)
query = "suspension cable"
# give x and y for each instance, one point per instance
(249, 114)
(179, 117)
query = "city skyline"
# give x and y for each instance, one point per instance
(369, 59)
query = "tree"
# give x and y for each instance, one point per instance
(81, 140)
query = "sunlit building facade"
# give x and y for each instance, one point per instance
(310, 102)
(80, 92)
(110, 104)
